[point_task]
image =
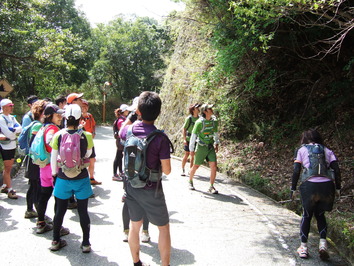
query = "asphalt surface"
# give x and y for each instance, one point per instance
(239, 226)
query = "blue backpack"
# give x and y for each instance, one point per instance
(37, 151)
(24, 139)
(135, 169)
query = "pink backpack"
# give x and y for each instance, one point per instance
(69, 159)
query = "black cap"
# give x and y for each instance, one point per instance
(53, 109)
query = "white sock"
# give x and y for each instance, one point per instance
(303, 244)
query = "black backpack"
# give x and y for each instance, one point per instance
(318, 165)
(135, 169)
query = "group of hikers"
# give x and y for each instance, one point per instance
(143, 156)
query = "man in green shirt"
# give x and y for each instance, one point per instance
(204, 136)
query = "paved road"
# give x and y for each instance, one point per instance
(239, 226)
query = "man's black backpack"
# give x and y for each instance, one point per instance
(135, 169)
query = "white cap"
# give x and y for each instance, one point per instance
(73, 110)
(123, 107)
(5, 102)
(134, 105)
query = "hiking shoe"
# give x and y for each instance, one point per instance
(94, 182)
(72, 205)
(31, 214)
(183, 173)
(4, 189)
(303, 253)
(191, 187)
(145, 237)
(48, 220)
(212, 190)
(323, 250)
(12, 194)
(43, 227)
(85, 248)
(56, 245)
(117, 178)
(64, 231)
(125, 235)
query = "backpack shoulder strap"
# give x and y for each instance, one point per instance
(189, 122)
(3, 116)
(153, 134)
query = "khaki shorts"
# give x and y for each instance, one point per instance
(202, 153)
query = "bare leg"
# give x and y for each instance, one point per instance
(192, 173)
(134, 240)
(165, 244)
(213, 167)
(7, 172)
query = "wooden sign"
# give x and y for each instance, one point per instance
(5, 88)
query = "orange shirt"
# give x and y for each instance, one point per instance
(89, 123)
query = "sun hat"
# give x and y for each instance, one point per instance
(72, 97)
(85, 102)
(5, 102)
(53, 109)
(73, 110)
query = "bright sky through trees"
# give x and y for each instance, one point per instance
(102, 11)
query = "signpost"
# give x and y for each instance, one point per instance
(105, 89)
(5, 88)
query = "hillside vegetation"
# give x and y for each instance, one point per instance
(272, 71)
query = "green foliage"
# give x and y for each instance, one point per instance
(130, 55)
(255, 180)
(41, 47)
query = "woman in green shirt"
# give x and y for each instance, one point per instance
(187, 132)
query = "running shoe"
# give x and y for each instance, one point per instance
(4, 189)
(56, 245)
(85, 248)
(48, 220)
(31, 214)
(323, 250)
(12, 194)
(190, 184)
(72, 205)
(64, 231)
(125, 235)
(42, 227)
(145, 237)
(183, 173)
(212, 190)
(117, 178)
(303, 252)
(94, 182)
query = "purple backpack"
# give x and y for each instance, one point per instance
(69, 158)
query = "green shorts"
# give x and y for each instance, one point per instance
(204, 153)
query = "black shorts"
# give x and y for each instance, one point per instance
(317, 197)
(93, 154)
(186, 147)
(150, 201)
(7, 154)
